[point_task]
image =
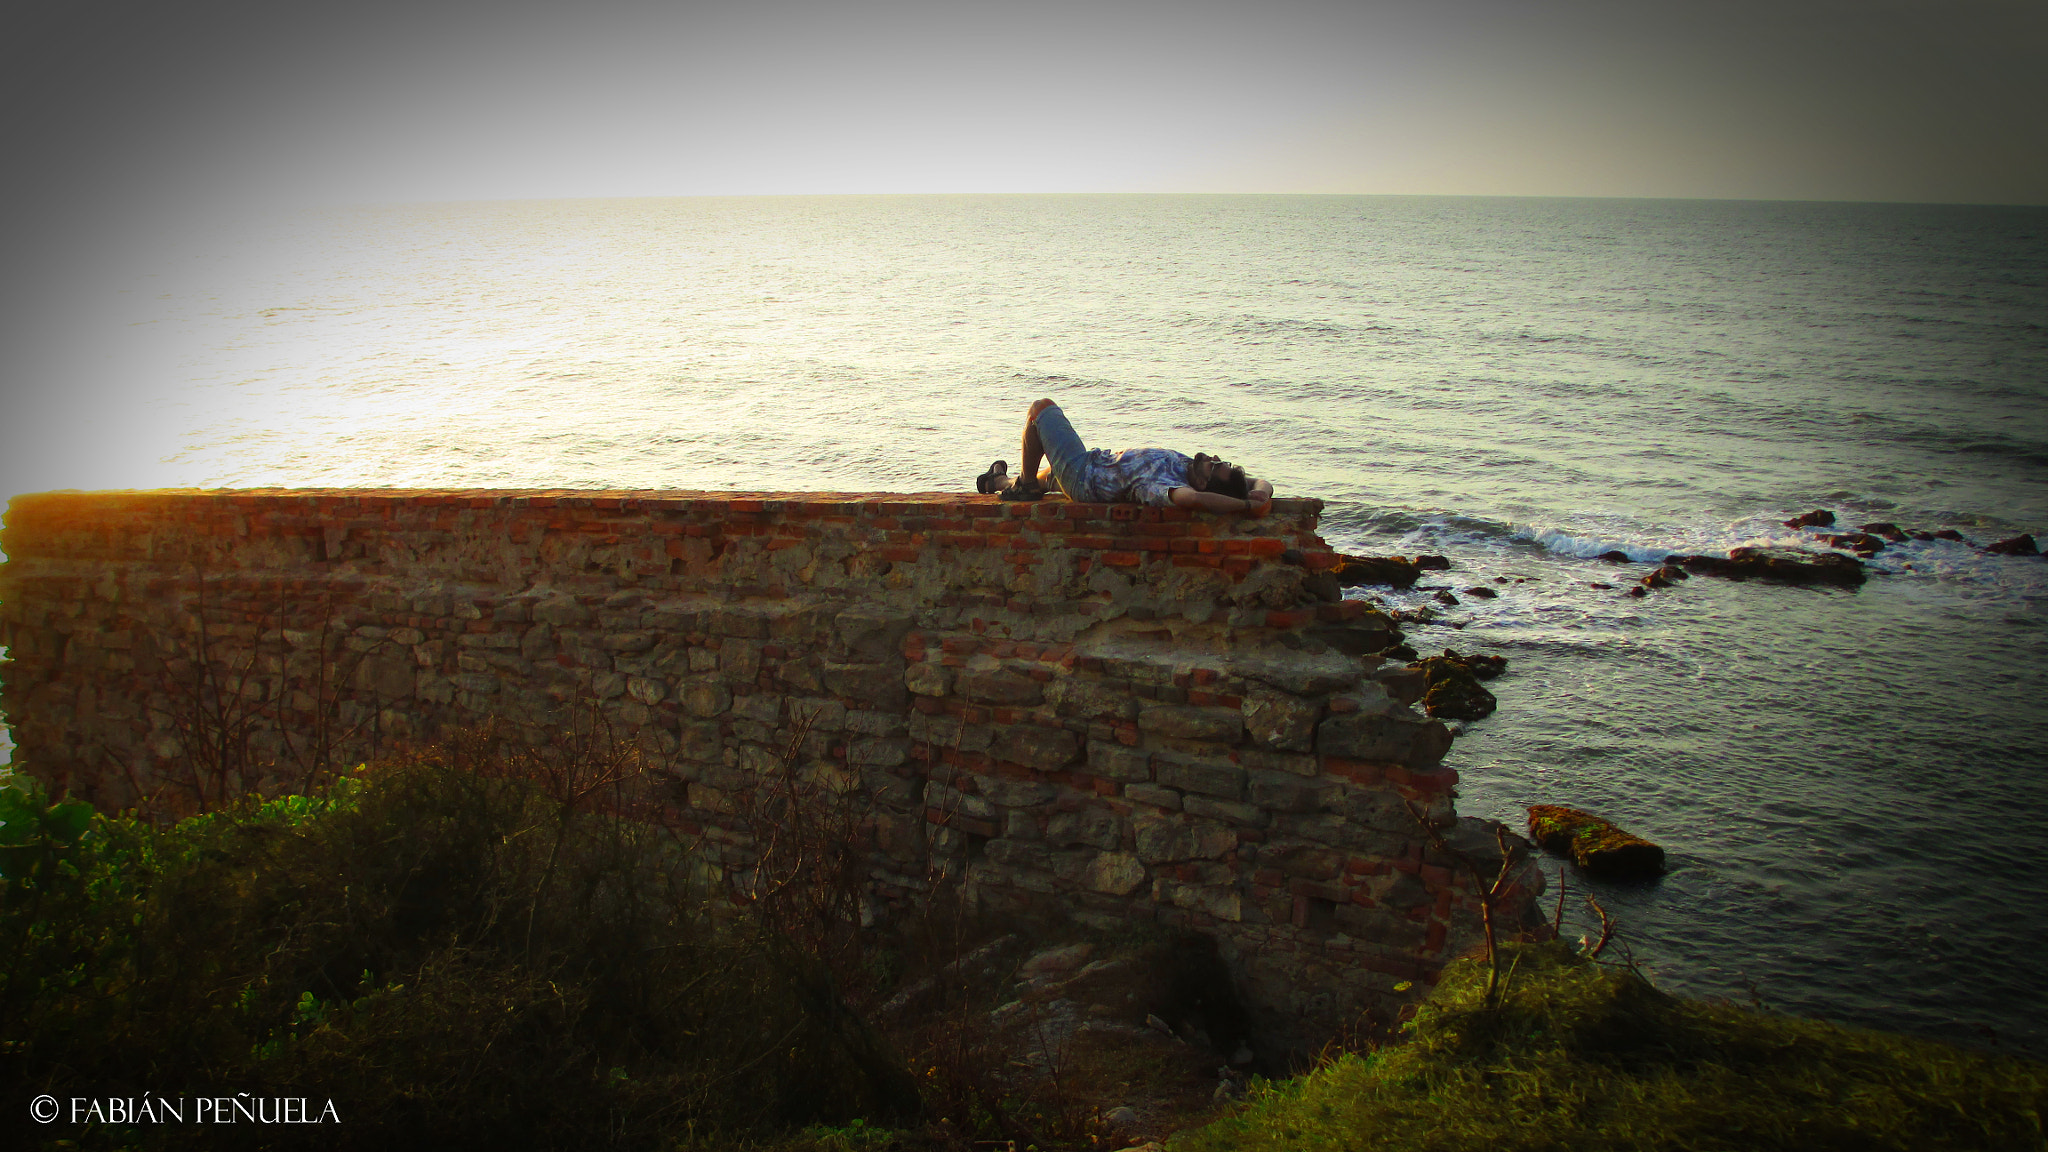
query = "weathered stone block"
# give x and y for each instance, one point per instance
(867, 722)
(1014, 793)
(1279, 792)
(699, 741)
(1298, 858)
(1183, 722)
(1012, 854)
(928, 679)
(1398, 735)
(1222, 903)
(740, 623)
(740, 661)
(537, 642)
(626, 641)
(1218, 778)
(645, 690)
(760, 707)
(1380, 810)
(1038, 747)
(878, 753)
(861, 635)
(705, 697)
(999, 687)
(1115, 873)
(1230, 810)
(1153, 795)
(1092, 699)
(948, 800)
(1293, 763)
(390, 676)
(824, 715)
(1094, 827)
(949, 732)
(1117, 762)
(560, 611)
(876, 685)
(1160, 840)
(1281, 721)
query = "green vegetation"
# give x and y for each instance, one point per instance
(1587, 1057)
(454, 956)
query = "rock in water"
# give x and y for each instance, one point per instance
(1593, 843)
(1792, 565)
(2017, 546)
(1886, 529)
(1484, 667)
(1392, 571)
(1818, 518)
(1453, 691)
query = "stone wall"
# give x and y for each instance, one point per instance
(1127, 713)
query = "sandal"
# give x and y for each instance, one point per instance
(1022, 491)
(996, 479)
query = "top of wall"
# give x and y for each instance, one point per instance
(1041, 570)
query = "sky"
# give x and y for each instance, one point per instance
(128, 125)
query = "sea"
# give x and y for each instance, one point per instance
(1851, 786)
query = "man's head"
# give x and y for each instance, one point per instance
(1208, 473)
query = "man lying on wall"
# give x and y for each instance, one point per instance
(1156, 476)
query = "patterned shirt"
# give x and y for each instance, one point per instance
(1132, 476)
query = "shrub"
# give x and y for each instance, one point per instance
(450, 951)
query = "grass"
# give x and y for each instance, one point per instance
(1590, 1058)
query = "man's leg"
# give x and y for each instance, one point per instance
(1034, 447)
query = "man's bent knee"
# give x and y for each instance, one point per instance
(1036, 408)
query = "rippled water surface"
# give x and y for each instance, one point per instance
(1851, 785)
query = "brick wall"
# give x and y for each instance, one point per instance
(1126, 712)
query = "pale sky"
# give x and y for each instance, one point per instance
(128, 122)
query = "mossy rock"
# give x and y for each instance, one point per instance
(1453, 691)
(1592, 843)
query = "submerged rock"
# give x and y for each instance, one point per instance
(1453, 690)
(1886, 529)
(1861, 543)
(1818, 518)
(1483, 593)
(1616, 556)
(1593, 843)
(1790, 565)
(1484, 667)
(2017, 546)
(1390, 571)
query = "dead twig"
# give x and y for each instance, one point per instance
(1489, 892)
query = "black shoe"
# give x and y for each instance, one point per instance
(995, 479)
(1022, 491)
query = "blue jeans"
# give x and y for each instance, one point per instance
(1063, 450)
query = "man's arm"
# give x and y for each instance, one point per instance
(1261, 499)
